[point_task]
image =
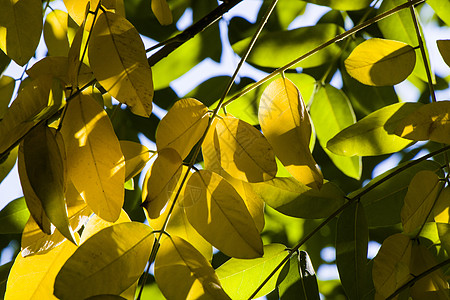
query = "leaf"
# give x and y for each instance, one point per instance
(182, 126)
(287, 126)
(292, 198)
(243, 151)
(444, 235)
(419, 200)
(118, 60)
(444, 49)
(46, 169)
(77, 8)
(7, 85)
(14, 216)
(441, 8)
(162, 11)
(107, 263)
(374, 134)
(307, 276)
(219, 214)
(95, 224)
(241, 277)
(287, 48)
(351, 250)
(136, 157)
(179, 264)
(381, 62)
(38, 272)
(55, 33)
(432, 286)
(428, 122)
(160, 181)
(342, 4)
(331, 112)
(391, 266)
(19, 39)
(441, 209)
(94, 160)
(9, 162)
(289, 284)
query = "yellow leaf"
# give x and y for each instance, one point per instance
(432, 286)
(20, 29)
(442, 207)
(77, 8)
(444, 49)
(419, 200)
(94, 160)
(55, 33)
(118, 60)
(178, 264)
(380, 62)
(220, 215)
(109, 262)
(391, 265)
(429, 122)
(160, 181)
(286, 124)
(76, 67)
(210, 152)
(182, 126)
(7, 85)
(243, 151)
(32, 277)
(162, 12)
(136, 157)
(95, 224)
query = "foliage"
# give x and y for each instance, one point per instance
(268, 172)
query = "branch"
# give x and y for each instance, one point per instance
(192, 30)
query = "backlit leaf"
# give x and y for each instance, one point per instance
(162, 11)
(380, 62)
(95, 224)
(94, 160)
(351, 250)
(374, 134)
(77, 8)
(342, 4)
(14, 216)
(160, 181)
(118, 60)
(219, 214)
(136, 157)
(391, 266)
(292, 198)
(441, 8)
(38, 272)
(419, 200)
(331, 112)
(243, 151)
(289, 283)
(286, 124)
(429, 122)
(444, 49)
(178, 264)
(182, 126)
(7, 165)
(21, 28)
(441, 209)
(241, 277)
(7, 85)
(55, 33)
(307, 276)
(107, 263)
(287, 48)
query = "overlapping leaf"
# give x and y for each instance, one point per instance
(342, 4)
(94, 159)
(179, 264)
(182, 126)
(118, 60)
(220, 215)
(8, 163)
(286, 124)
(374, 134)
(7, 85)
(441, 209)
(14, 216)
(136, 156)
(55, 33)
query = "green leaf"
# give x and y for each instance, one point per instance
(442, 9)
(118, 60)
(444, 235)
(374, 134)
(289, 283)
(351, 250)
(331, 112)
(384, 202)
(241, 277)
(429, 122)
(183, 273)
(307, 276)
(285, 46)
(19, 39)
(7, 85)
(442, 207)
(381, 62)
(444, 49)
(14, 216)
(292, 198)
(342, 4)
(219, 214)
(419, 200)
(9, 162)
(107, 263)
